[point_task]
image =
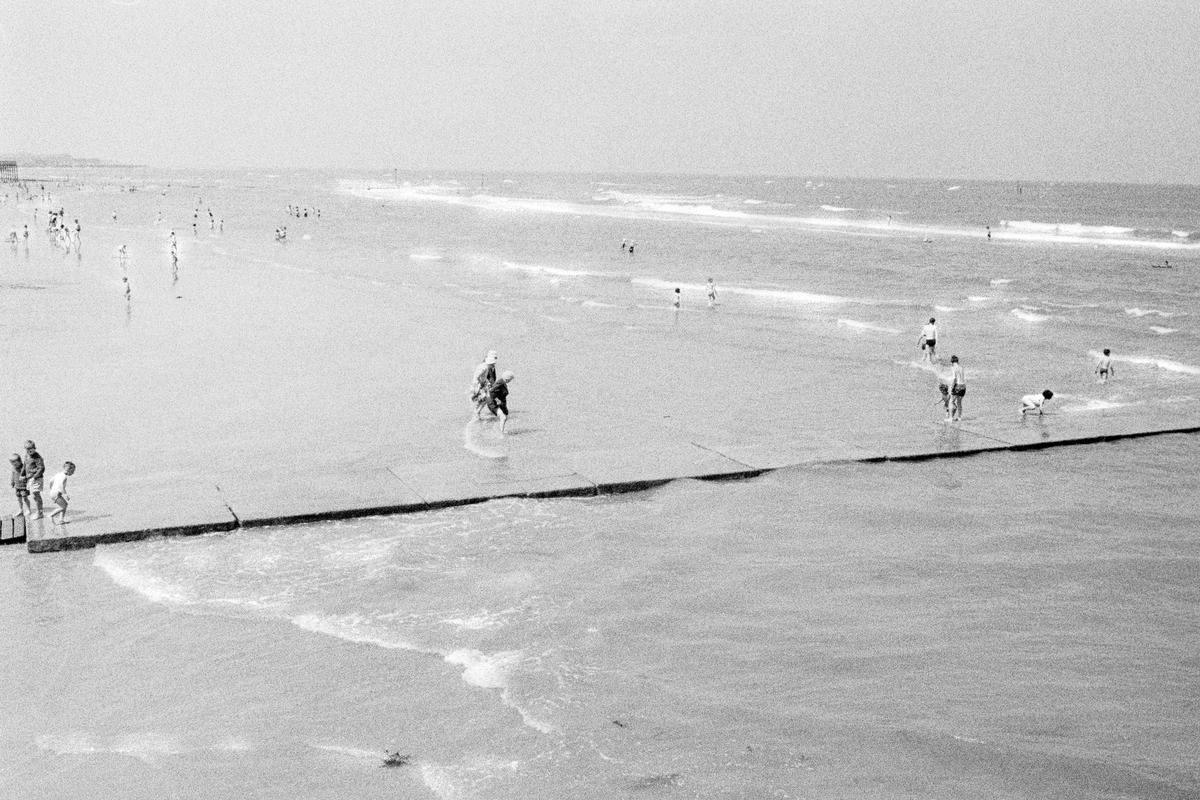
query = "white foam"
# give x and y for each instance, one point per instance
(865, 326)
(1094, 405)
(493, 672)
(1149, 312)
(978, 299)
(354, 629)
(146, 746)
(124, 573)
(778, 295)
(700, 210)
(475, 441)
(1161, 331)
(424, 256)
(357, 754)
(541, 269)
(1001, 281)
(484, 671)
(477, 622)
(953, 188)
(1028, 316)
(837, 209)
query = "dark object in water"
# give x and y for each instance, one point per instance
(1164, 265)
(618, 723)
(672, 779)
(396, 760)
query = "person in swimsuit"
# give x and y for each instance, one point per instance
(958, 389)
(1104, 366)
(928, 341)
(497, 398)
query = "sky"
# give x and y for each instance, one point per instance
(1050, 90)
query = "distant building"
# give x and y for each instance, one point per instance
(8, 172)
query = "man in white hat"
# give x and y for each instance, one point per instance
(485, 377)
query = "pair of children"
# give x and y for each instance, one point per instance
(489, 391)
(26, 481)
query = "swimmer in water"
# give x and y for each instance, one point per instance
(712, 293)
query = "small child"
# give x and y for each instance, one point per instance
(1031, 402)
(1104, 366)
(58, 492)
(497, 398)
(19, 481)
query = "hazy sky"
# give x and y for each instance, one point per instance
(1066, 90)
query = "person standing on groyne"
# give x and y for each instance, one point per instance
(35, 468)
(20, 483)
(58, 493)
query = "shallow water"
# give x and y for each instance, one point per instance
(1005, 625)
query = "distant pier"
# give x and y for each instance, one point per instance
(123, 512)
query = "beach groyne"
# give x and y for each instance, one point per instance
(175, 506)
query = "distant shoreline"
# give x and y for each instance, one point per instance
(30, 161)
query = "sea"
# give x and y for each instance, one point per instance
(1006, 625)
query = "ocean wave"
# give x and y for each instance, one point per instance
(124, 572)
(866, 326)
(541, 269)
(1028, 316)
(146, 747)
(1094, 405)
(837, 209)
(1066, 228)
(1161, 331)
(1000, 281)
(1149, 312)
(493, 672)
(778, 295)
(712, 210)
(356, 630)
